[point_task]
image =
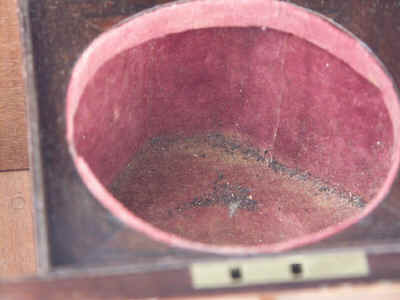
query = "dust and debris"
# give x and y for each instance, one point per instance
(230, 189)
(252, 153)
(249, 152)
(234, 197)
(226, 191)
(232, 208)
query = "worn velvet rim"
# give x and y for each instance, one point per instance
(196, 14)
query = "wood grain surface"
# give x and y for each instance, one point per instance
(13, 141)
(387, 291)
(17, 249)
(102, 288)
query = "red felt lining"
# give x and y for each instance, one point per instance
(309, 108)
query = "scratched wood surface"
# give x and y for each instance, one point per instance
(82, 289)
(362, 292)
(17, 248)
(17, 253)
(13, 141)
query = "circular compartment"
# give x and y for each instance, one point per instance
(233, 126)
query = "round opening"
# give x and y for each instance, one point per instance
(233, 126)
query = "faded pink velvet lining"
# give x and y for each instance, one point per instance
(330, 49)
